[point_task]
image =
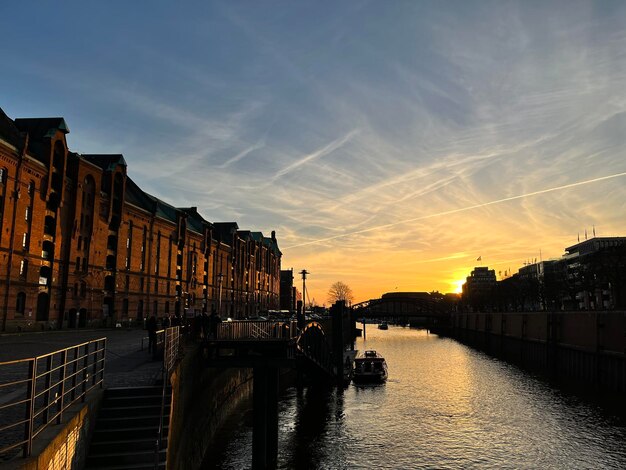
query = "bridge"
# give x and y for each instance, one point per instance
(403, 304)
(266, 347)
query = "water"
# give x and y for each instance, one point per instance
(444, 406)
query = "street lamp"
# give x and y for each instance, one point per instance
(220, 278)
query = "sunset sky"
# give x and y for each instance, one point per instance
(390, 144)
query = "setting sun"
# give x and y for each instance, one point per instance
(457, 286)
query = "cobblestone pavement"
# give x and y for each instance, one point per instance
(126, 363)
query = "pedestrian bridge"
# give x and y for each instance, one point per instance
(403, 304)
(267, 347)
(269, 343)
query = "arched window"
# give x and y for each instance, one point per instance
(20, 304)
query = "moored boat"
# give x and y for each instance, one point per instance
(383, 326)
(370, 367)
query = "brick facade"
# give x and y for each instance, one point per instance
(81, 244)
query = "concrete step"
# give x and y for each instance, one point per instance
(139, 410)
(128, 401)
(127, 458)
(132, 391)
(100, 435)
(137, 466)
(142, 444)
(128, 422)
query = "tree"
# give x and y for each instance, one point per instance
(340, 291)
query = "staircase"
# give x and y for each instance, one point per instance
(127, 430)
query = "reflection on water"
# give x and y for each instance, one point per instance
(444, 406)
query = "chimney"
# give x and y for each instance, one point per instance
(274, 235)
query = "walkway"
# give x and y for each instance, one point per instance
(126, 364)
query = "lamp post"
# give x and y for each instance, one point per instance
(220, 278)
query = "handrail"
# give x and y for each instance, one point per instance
(46, 386)
(313, 345)
(171, 350)
(256, 330)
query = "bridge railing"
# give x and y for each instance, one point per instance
(35, 392)
(257, 330)
(313, 345)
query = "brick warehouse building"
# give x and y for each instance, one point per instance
(81, 244)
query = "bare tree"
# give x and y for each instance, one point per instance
(340, 291)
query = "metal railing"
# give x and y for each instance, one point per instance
(171, 348)
(171, 351)
(313, 345)
(37, 391)
(257, 330)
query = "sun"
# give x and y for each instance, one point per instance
(458, 286)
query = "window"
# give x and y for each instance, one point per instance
(31, 188)
(20, 304)
(84, 265)
(23, 268)
(25, 241)
(83, 289)
(27, 214)
(3, 175)
(143, 249)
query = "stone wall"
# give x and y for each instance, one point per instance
(201, 399)
(66, 445)
(587, 347)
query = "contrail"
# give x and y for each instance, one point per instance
(462, 209)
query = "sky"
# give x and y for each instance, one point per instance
(390, 144)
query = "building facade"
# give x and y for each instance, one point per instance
(81, 244)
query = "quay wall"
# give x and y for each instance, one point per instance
(588, 347)
(202, 398)
(64, 445)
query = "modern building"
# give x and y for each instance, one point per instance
(81, 243)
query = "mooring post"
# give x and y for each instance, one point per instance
(337, 312)
(259, 429)
(265, 421)
(272, 417)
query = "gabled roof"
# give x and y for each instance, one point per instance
(272, 245)
(106, 162)
(257, 236)
(195, 221)
(245, 235)
(9, 131)
(38, 128)
(224, 231)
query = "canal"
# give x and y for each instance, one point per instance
(445, 405)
